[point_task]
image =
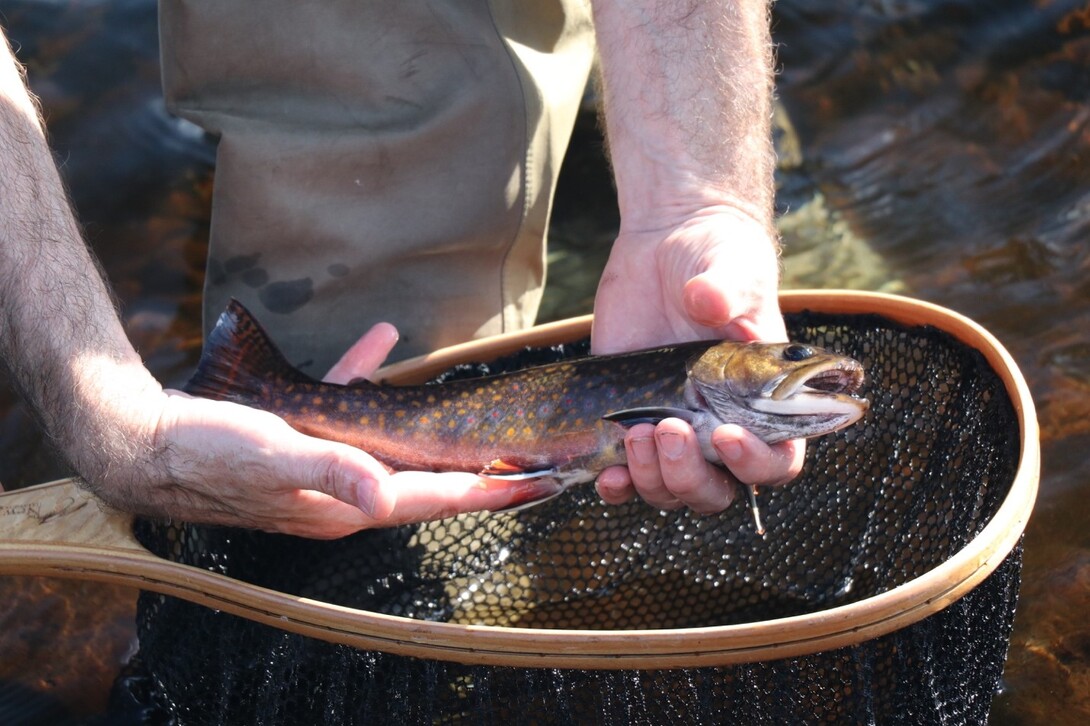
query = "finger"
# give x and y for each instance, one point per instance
(409, 497)
(643, 448)
(687, 475)
(614, 485)
(642, 456)
(405, 497)
(365, 356)
(754, 462)
(424, 496)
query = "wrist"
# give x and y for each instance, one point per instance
(732, 223)
(656, 192)
(109, 435)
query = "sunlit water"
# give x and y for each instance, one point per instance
(938, 149)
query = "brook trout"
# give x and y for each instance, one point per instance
(565, 421)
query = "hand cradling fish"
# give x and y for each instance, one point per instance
(562, 421)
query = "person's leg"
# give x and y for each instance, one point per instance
(389, 160)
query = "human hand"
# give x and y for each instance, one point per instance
(218, 462)
(712, 275)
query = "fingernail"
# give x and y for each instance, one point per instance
(367, 496)
(643, 450)
(671, 445)
(730, 452)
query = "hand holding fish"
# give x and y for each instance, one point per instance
(299, 484)
(235, 465)
(717, 276)
(687, 96)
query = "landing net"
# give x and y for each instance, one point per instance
(878, 505)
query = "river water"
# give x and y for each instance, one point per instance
(934, 148)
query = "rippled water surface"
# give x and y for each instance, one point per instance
(938, 149)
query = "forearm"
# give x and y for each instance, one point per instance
(687, 98)
(60, 337)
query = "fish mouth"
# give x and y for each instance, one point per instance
(824, 388)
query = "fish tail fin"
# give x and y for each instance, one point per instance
(239, 360)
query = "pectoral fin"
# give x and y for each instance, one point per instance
(630, 417)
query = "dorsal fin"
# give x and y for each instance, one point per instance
(239, 358)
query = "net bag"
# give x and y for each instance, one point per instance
(884, 590)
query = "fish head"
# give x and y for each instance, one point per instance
(778, 391)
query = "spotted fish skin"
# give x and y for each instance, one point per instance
(565, 421)
(542, 418)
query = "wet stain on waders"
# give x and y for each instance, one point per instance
(240, 263)
(287, 296)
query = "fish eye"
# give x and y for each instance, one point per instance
(796, 352)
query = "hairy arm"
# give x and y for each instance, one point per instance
(156, 452)
(60, 336)
(687, 91)
(688, 105)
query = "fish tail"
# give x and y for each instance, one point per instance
(239, 360)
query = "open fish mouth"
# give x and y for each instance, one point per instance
(824, 388)
(845, 378)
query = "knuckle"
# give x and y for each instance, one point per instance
(327, 475)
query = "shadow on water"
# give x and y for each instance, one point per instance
(930, 147)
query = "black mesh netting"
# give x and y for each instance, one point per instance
(878, 504)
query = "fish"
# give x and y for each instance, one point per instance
(562, 421)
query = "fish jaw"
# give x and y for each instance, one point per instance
(827, 388)
(776, 396)
(802, 416)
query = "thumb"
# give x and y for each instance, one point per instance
(346, 474)
(735, 309)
